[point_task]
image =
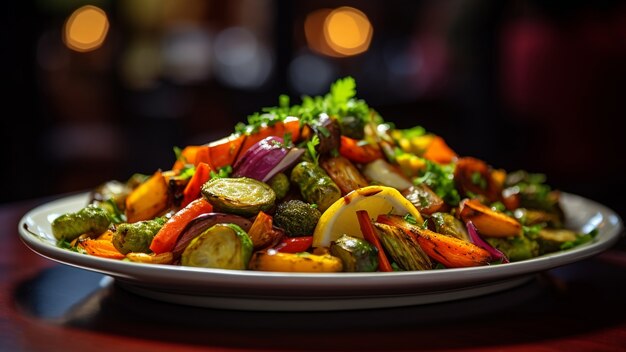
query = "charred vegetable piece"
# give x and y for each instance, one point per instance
(136, 237)
(272, 260)
(162, 258)
(280, 184)
(531, 217)
(90, 220)
(384, 173)
(403, 248)
(243, 196)
(262, 232)
(355, 253)
(202, 223)
(449, 251)
(447, 224)
(112, 190)
(515, 248)
(344, 174)
(490, 223)
(551, 240)
(352, 126)
(148, 200)
(424, 199)
(223, 246)
(315, 185)
(474, 176)
(297, 218)
(328, 131)
(534, 193)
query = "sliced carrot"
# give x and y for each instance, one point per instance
(292, 125)
(369, 233)
(439, 152)
(188, 156)
(362, 154)
(203, 156)
(449, 251)
(101, 248)
(200, 177)
(224, 151)
(167, 236)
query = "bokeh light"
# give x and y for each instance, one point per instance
(348, 31)
(86, 29)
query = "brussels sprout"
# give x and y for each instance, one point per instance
(243, 196)
(550, 240)
(297, 218)
(515, 248)
(136, 237)
(356, 254)
(280, 184)
(222, 246)
(447, 224)
(315, 185)
(90, 220)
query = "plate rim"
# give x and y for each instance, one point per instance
(324, 284)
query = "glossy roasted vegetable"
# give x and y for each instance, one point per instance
(315, 185)
(136, 237)
(490, 223)
(355, 253)
(449, 251)
(90, 220)
(403, 248)
(424, 199)
(297, 218)
(203, 222)
(382, 172)
(280, 184)
(515, 248)
(551, 240)
(223, 246)
(243, 196)
(148, 200)
(344, 174)
(447, 224)
(263, 233)
(272, 260)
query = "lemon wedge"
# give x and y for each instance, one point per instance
(340, 218)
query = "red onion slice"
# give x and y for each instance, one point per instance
(477, 240)
(201, 223)
(289, 160)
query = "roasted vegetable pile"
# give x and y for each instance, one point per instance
(323, 186)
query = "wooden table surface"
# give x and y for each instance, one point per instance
(45, 306)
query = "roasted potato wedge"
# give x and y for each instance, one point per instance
(148, 200)
(490, 223)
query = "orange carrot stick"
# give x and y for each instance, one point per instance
(101, 248)
(449, 251)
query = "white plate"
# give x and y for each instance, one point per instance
(252, 290)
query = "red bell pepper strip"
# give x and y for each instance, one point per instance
(369, 233)
(362, 154)
(294, 244)
(200, 177)
(167, 236)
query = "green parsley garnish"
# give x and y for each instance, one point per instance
(440, 178)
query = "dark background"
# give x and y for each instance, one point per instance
(520, 84)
